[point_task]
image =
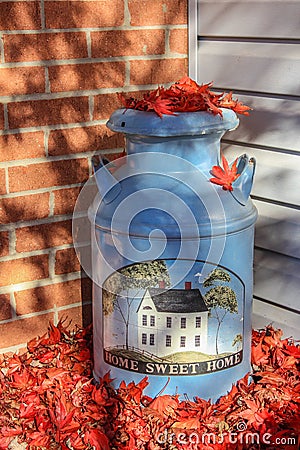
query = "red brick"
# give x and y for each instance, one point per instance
(80, 316)
(23, 269)
(44, 46)
(104, 105)
(127, 43)
(48, 112)
(21, 331)
(87, 76)
(158, 12)
(21, 15)
(42, 236)
(66, 261)
(2, 182)
(157, 71)
(4, 243)
(25, 207)
(42, 175)
(65, 200)
(77, 140)
(1, 117)
(179, 41)
(22, 80)
(21, 146)
(84, 14)
(46, 297)
(5, 308)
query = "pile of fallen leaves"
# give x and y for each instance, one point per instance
(48, 400)
(185, 96)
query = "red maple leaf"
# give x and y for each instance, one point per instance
(164, 404)
(186, 95)
(22, 380)
(226, 176)
(97, 439)
(39, 439)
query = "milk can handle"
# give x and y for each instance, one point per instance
(108, 187)
(243, 185)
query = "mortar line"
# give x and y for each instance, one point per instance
(13, 306)
(35, 222)
(51, 263)
(51, 205)
(26, 285)
(89, 43)
(127, 15)
(92, 29)
(2, 59)
(127, 74)
(12, 242)
(47, 159)
(47, 81)
(5, 113)
(6, 180)
(91, 107)
(167, 42)
(71, 94)
(46, 143)
(54, 127)
(79, 61)
(43, 21)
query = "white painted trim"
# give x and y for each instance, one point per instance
(192, 38)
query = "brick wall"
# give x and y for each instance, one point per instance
(61, 64)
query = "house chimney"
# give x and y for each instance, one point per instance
(161, 284)
(188, 285)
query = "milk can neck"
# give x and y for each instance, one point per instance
(193, 136)
(202, 151)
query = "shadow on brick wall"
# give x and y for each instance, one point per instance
(55, 122)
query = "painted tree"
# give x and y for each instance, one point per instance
(237, 341)
(123, 286)
(220, 299)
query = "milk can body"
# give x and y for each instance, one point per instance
(172, 258)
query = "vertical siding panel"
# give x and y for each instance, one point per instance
(251, 48)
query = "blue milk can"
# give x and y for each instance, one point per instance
(172, 257)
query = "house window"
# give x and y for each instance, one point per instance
(152, 321)
(182, 341)
(168, 340)
(144, 338)
(198, 322)
(169, 322)
(197, 340)
(183, 322)
(151, 340)
(144, 320)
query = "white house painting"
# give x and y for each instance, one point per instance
(147, 318)
(172, 321)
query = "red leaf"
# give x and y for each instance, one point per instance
(184, 96)
(97, 439)
(226, 176)
(192, 423)
(4, 442)
(164, 404)
(9, 431)
(39, 439)
(292, 350)
(22, 380)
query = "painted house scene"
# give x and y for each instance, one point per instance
(145, 317)
(172, 320)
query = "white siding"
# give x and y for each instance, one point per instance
(253, 49)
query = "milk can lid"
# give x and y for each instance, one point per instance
(131, 121)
